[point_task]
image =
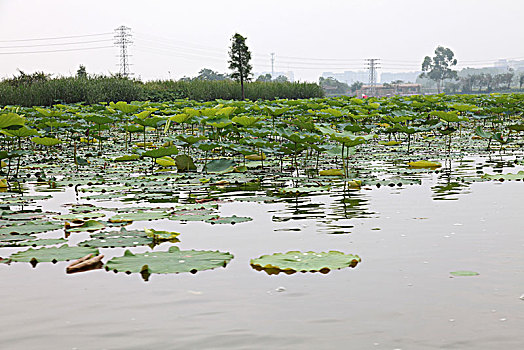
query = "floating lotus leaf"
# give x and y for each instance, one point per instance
(424, 164)
(41, 242)
(127, 158)
(138, 216)
(121, 239)
(193, 217)
(31, 227)
(159, 236)
(305, 261)
(172, 261)
(331, 172)
(88, 226)
(228, 220)
(390, 143)
(24, 131)
(464, 273)
(52, 254)
(510, 177)
(80, 216)
(256, 156)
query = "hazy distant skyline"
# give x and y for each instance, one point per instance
(173, 39)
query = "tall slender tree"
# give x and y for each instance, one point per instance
(239, 57)
(437, 68)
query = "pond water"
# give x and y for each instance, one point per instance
(401, 296)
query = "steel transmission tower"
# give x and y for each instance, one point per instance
(272, 65)
(122, 40)
(372, 66)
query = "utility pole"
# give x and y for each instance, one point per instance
(372, 65)
(272, 65)
(122, 40)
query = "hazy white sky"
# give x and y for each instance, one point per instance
(178, 38)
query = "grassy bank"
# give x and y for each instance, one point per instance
(46, 92)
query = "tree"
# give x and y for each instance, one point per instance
(333, 86)
(521, 80)
(281, 79)
(438, 67)
(239, 55)
(81, 73)
(209, 74)
(357, 85)
(264, 78)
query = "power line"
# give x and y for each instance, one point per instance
(372, 64)
(54, 38)
(59, 50)
(55, 44)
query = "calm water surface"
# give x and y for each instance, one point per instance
(401, 296)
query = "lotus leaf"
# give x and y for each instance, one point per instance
(46, 141)
(138, 216)
(52, 254)
(162, 235)
(464, 273)
(10, 119)
(127, 157)
(184, 162)
(220, 166)
(228, 220)
(165, 161)
(424, 164)
(88, 226)
(160, 152)
(515, 177)
(294, 261)
(331, 172)
(172, 261)
(30, 227)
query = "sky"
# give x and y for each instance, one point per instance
(173, 39)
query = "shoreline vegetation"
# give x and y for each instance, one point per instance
(39, 89)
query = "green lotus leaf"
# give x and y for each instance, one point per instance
(172, 261)
(219, 122)
(138, 216)
(24, 131)
(31, 227)
(185, 163)
(305, 261)
(180, 118)
(509, 176)
(220, 166)
(228, 220)
(52, 254)
(127, 158)
(464, 273)
(120, 239)
(516, 127)
(160, 152)
(10, 119)
(46, 141)
(162, 235)
(246, 121)
(98, 119)
(482, 133)
(424, 164)
(79, 216)
(124, 107)
(88, 226)
(41, 242)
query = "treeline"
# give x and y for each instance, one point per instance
(39, 89)
(485, 82)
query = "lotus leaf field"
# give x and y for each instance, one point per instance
(175, 190)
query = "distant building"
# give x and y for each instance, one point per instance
(406, 77)
(384, 90)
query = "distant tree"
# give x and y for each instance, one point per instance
(521, 80)
(239, 57)
(281, 79)
(357, 85)
(209, 74)
(264, 78)
(438, 67)
(81, 73)
(333, 86)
